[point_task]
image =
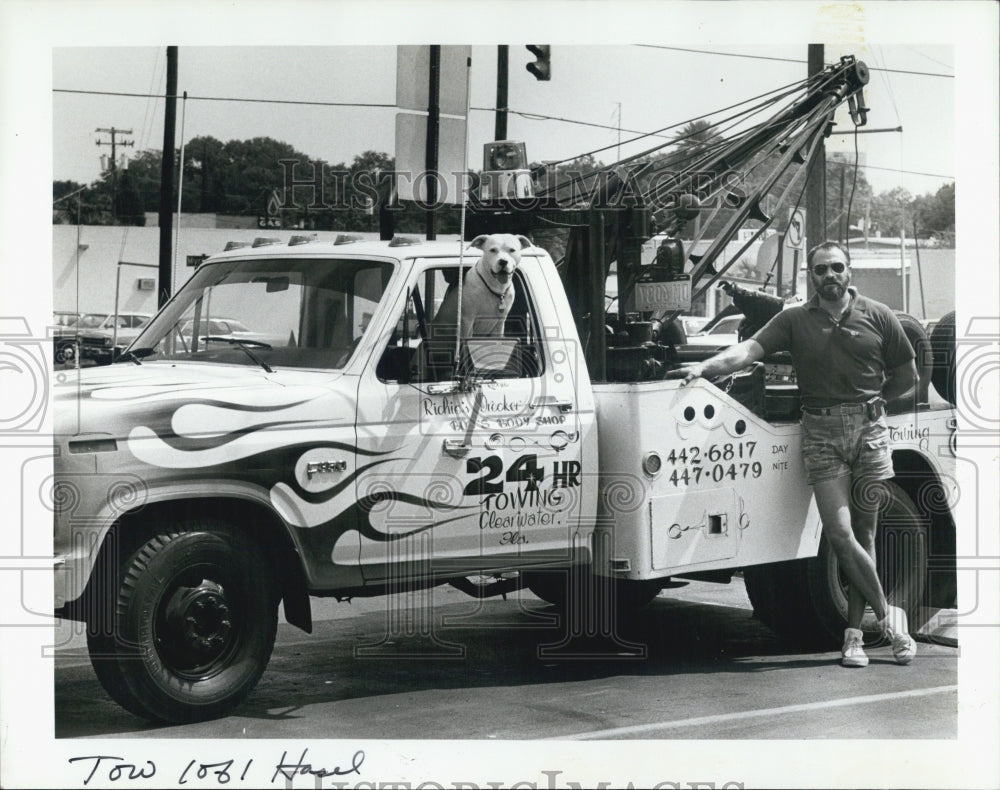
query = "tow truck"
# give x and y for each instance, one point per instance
(204, 479)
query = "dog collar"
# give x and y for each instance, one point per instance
(500, 294)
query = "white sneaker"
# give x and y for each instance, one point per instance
(896, 629)
(853, 651)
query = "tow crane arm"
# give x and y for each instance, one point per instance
(636, 199)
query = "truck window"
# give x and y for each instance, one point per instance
(288, 313)
(422, 346)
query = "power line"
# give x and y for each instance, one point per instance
(527, 115)
(532, 116)
(787, 60)
(890, 169)
(224, 98)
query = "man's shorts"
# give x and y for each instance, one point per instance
(838, 445)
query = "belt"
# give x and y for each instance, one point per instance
(874, 409)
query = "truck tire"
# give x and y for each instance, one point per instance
(807, 599)
(105, 663)
(194, 625)
(942, 342)
(901, 549)
(774, 591)
(924, 359)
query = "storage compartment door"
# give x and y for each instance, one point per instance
(694, 527)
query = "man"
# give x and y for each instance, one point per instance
(850, 356)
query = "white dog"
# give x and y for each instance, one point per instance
(488, 289)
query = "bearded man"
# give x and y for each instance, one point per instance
(850, 356)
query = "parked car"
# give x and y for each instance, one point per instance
(230, 328)
(723, 333)
(692, 324)
(105, 341)
(64, 336)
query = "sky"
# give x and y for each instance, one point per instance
(593, 91)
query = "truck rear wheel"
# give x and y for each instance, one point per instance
(195, 618)
(943, 349)
(924, 360)
(807, 599)
(901, 550)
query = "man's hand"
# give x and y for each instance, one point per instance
(726, 361)
(688, 372)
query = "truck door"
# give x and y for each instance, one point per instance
(453, 474)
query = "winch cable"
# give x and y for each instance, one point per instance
(818, 119)
(784, 91)
(803, 126)
(854, 184)
(812, 85)
(798, 202)
(684, 156)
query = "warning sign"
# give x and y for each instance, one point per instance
(795, 235)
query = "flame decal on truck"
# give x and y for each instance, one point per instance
(251, 439)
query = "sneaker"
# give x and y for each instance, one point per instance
(853, 652)
(896, 629)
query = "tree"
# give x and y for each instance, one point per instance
(128, 203)
(848, 195)
(204, 170)
(696, 136)
(935, 214)
(892, 212)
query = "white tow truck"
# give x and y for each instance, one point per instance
(205, 478)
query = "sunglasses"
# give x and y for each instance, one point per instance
(820, 268)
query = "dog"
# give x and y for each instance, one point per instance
(487, 291)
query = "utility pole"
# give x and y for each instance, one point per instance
(619, 155)
(114, 160)
(844, 223)
(816, 185)
(433, 129)
(500, 127)
(167, 179)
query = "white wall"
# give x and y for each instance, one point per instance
(91, 289)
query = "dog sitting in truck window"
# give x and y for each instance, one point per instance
(487, 291)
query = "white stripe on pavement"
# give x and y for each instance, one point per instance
(749, 714)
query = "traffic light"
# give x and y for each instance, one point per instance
(541, 68)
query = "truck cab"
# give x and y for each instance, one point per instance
(340, 444)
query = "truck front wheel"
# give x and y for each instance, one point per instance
(194, 623)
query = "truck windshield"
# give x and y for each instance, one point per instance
(290, 313)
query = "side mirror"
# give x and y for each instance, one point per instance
(394, 364)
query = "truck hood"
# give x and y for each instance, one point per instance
(189, 401)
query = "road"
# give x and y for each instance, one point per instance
(699, 667)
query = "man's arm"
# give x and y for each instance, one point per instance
(901, 381)
(733, 358)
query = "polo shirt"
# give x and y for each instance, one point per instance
(841, 361)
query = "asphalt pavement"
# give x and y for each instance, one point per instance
(694, 664)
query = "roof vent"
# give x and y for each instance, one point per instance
(347, 238)
(235, 245)
(404, 241)
(296, 240)
(263, 241)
